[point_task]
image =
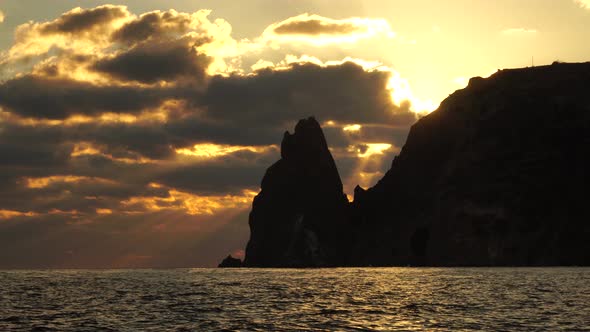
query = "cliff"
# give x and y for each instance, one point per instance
(496, 176)
(299, 217)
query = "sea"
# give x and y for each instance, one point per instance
(342, 299)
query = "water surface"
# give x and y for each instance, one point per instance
(380, 299)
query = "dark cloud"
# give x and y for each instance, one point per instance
(152, 62)
(344, 93)
(82, 20)
(235, 110)
(56, 98)
(153, 25)
(229, 174)
(316, 27)
(38, 154)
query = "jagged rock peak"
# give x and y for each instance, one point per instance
(307, 150)
(307, 138)
(298, 218)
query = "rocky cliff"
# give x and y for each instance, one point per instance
(498, 175)
(299, 217)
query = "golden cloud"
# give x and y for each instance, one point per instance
(71, 45)
(87, 31)
(82, 149)
(370, 149)
(188, 203)
(352, 128)
(104, 211)
(8, 214)
(210, 150)
(43, 182)
(319, 30)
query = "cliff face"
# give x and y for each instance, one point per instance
(496, 176)
(299, 217)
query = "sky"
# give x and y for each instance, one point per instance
(136, 133)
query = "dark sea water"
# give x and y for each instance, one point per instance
(381, 299)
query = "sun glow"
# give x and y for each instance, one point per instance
(402, 92)
(353, 127)
(372, 149)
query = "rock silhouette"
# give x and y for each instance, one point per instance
(497, 175)
(299, 217)
(230, 261)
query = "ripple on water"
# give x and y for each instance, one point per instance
(379, 299)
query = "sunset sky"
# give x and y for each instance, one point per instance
(136, 133)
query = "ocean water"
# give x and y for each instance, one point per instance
(351, 299)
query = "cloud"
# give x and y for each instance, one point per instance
(583, 3)
(116, 126)
(2, 16)
(212, 38)
(86, 31)
(519, 31)
(108, 41)
(159, 61)
(315, 26)
(158, 24)
(321, 30)
(344, 93)
(169, 149)
(41, 97)
(78, 21)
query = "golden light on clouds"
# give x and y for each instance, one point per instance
(104, 211)
(400, 87)
(583, 3)
(188, 203)
(195, 205)
(210, 150)
(8, 214)
(82, 149)
(43, 182)
(371, 149)
(68, 212)
(319, 30)
(352, 128)
(33, 39)
(159, 115)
